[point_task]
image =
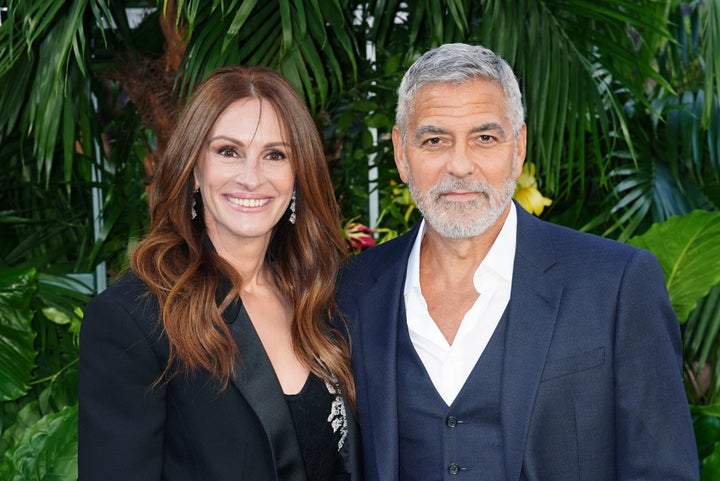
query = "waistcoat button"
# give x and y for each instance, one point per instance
(453, 468)
(452, 421)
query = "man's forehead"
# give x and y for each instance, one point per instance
(462, 99)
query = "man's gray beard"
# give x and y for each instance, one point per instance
(462, 220)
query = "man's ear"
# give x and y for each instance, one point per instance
(521, 149)
(399, 152)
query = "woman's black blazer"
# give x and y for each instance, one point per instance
(188, 428)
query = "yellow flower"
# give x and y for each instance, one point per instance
(527, 193)
(396, 190)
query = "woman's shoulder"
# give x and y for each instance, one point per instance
(127, 289)
(126, 297)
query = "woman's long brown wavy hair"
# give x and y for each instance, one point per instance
(184, 272)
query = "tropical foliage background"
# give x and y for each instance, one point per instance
(624, 137)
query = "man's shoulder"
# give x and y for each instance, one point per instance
(387, 249)
(388, 255)
(577, 247)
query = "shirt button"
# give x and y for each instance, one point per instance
(452, 421)
(453, 469)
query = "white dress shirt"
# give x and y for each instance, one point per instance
(450, 365)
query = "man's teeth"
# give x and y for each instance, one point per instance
(248, 202)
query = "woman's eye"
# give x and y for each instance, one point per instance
(227, 152)
(276, 155)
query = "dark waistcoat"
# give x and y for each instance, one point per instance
(459, 442)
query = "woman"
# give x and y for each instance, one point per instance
(215, 358)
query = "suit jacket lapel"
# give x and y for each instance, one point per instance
(379, 352)
(256, 380)
(532, 311)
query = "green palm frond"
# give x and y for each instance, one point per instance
(416, 24)
(701, 342)
(44, 75)
(642, 195)
(711, 54)
(311, 42)
(575, 62)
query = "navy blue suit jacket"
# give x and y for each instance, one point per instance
(592, 371)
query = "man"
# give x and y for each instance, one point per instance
(490, 345)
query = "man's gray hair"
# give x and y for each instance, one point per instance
(458, 63)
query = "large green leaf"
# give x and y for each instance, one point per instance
(707, 429)
(16, 334)
(47, 451)
(688, 248)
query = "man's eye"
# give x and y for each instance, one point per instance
(486, 138)
(433, 141)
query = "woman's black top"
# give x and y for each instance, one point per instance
(314, 414)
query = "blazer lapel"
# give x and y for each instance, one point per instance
(532, 311)
(256, 380)
(351, 454)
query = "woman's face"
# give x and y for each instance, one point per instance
(244, 174)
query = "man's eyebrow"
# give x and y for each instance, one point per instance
(493, 126)
(435, 130)
(428, 129)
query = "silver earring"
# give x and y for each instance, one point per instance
(193, 212)
(292, 209)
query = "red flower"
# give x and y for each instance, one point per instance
(359, 236)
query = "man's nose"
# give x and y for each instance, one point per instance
(460, 163)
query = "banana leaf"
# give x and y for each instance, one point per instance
(688, 248)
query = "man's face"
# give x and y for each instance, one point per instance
(460, 160)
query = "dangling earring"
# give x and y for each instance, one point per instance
(292, 208)
(193, 212)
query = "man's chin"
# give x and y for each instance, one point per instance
(453, 223)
